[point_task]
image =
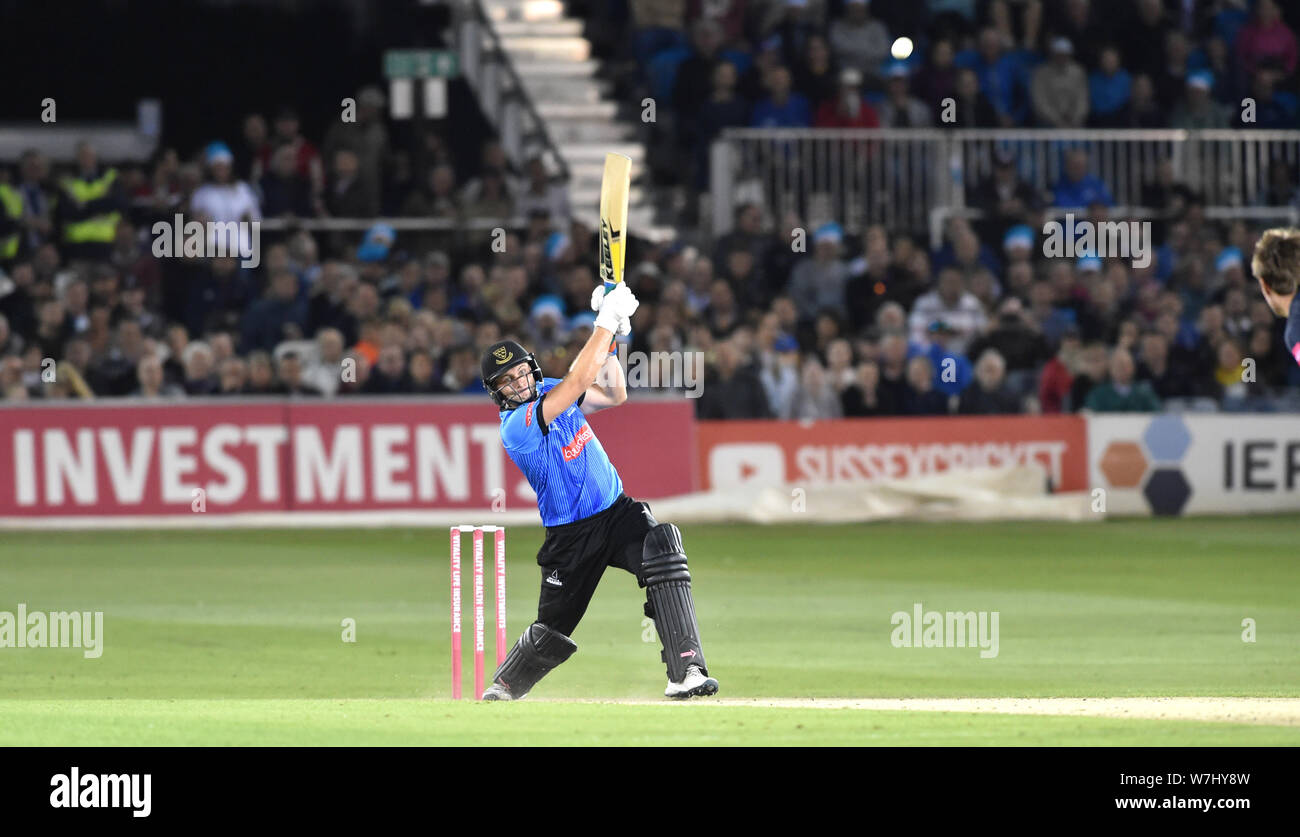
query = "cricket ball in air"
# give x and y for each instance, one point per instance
(902, 48)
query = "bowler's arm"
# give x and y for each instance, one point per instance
(610, 388)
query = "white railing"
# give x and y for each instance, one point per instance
(1288, 215)
(500, 91)
(398, 224)
(897, 177)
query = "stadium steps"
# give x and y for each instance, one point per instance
(531, 68)
(549, 28)
(524, 10)
(587, 152)
(566, 87)
(565, 90)
(546, 48)
(581, 111)
(567, 131)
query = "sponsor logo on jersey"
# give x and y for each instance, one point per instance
(574, 448)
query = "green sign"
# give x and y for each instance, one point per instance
(421, 63)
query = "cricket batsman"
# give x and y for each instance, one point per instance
(590, 523)
(1276, 264)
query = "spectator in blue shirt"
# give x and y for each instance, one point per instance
(1272, 110)
(782, 108)
(1078, 188)
(952, 371)
(278, 316)
(1109, 88)
(1002, 77)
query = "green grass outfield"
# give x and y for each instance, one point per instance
(235, 637)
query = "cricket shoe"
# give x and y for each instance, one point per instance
(498, 692)
(695, 684)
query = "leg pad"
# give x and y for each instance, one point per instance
(537, 651)
(669, 601)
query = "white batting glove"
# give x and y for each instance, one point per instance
(618, 305)
(597, 297)
(624, 327)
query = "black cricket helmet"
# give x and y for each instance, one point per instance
(499, 358)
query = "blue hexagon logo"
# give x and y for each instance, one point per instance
(1167, 438)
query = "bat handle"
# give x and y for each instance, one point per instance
(613, 344)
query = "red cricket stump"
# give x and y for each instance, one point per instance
(499, 538)
(478, 608)
(455, 613)
(478, 612)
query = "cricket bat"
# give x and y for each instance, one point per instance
(614, 188)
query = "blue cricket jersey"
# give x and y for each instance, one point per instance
(563, 461)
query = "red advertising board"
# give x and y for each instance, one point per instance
(325, 456)
(734, 453)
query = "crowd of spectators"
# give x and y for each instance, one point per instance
(858, 325)
(874, 325)
(887, 327)
(1004, 63)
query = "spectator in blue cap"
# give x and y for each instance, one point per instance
(547, 326)
(1018, 243)
(1230, 267)
(377, 244)
(223, 199)
(901, 109)
(581, 324)
(1198, 110)
(818, 281)
(779, 374)
(547, 305)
